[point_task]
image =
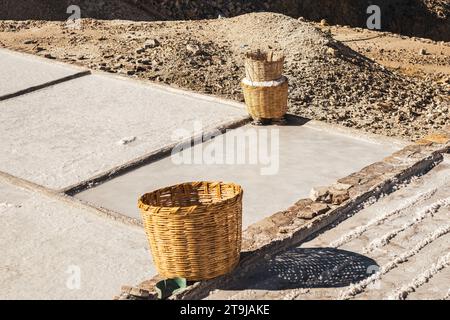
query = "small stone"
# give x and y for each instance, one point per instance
(313, 210)
(139, 293)
(339, 196)
(49, 56)
(140, 69)
(320, 194)
(324, 23)
(130, 72)
(104, 68)
(422, 51)
(29, 41)
(194, 49)
(146, 61)
(332, 52)
(150, 44)
(319, 208)
(126, 140)
(385, 106)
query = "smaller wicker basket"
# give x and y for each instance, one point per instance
(194, 229)
(263, 66)
(266, 102)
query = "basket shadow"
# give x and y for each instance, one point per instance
(307, 268)
(295, 121)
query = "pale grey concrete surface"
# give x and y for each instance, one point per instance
(47, 246)
(70, 132)
(20, 72)
(309, 155)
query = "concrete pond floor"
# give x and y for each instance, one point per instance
(63, 134)
(58, 135)
(287, 162)
(22, 72)
(51, 250)
(395, 248)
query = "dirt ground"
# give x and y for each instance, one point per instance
(386, 84)
(398, 52)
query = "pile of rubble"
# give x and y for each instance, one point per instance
(328, 81)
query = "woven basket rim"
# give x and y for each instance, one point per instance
(261, 56)
(149, 208)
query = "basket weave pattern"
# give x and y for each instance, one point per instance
(194, 229)
(266, 102)
(262, 66)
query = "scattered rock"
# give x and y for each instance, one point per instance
(150, 44)
(320, 194)
(384, 106)
(30, 41)
(49, 56)
(328, 80)
(423, 52)
(339, 193)
(336, 194)
(133, 293)
(126, 140)
(139, 293)
(146, 62)
(339, 196)
(193, 48)
(332, 52)
(306, 209)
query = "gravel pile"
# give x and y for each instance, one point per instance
(328, 81)
(423, 18)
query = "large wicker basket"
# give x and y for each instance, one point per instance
(266, 102)
(194, 229)
(263, 66)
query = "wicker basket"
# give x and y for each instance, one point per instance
(263, 66)
(194, 229)
(266, 102)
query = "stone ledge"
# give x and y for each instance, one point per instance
(306, 217)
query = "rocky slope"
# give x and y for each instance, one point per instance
(423, 18)
(328, 80)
